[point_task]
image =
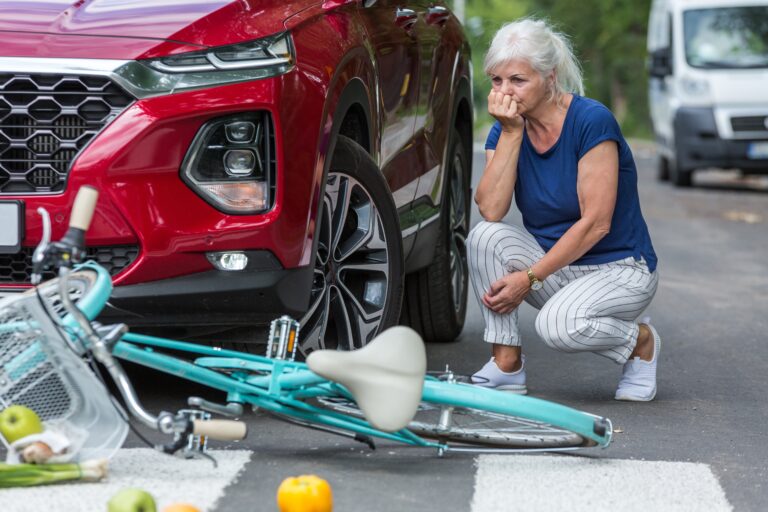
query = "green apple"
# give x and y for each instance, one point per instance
(131, 500)
(18, 421)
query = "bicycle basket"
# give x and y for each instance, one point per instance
(40, 370)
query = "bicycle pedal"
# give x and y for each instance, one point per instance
(283, 338)
(194, 443)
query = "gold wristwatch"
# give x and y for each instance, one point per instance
(535, 283)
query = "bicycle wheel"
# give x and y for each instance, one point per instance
(469, 418)
(465, 425)
(471, 415)
(89, 287)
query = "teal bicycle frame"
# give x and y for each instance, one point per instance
(282, 386)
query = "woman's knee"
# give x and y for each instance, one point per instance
(485, 235)
(480, 233)
(562, 329)
(551, 327)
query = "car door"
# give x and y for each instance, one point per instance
(433, 120)
(389, 25)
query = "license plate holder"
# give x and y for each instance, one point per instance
(11, 226)
(757, 150)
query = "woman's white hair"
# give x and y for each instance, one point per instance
(545, 49)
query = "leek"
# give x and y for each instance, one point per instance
(25, 475)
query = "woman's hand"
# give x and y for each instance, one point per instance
(507, 293)
(504, 109)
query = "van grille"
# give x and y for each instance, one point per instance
(45, 120)
(750, 124)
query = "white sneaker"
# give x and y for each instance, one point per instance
(638, 380)
(491, 376)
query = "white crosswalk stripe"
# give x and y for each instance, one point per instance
(168, 479)
(534, 483)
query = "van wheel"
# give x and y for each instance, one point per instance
(358, 278)
(435, 302)
(662, 168)
(678, 176)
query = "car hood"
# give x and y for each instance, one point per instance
(192, 22)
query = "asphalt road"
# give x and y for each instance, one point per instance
(711, 408)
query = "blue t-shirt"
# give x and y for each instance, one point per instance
(545, 192)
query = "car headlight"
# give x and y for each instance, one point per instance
(262, 58)
(231, 163)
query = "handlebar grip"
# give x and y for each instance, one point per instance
(82, 210)
(221, 430)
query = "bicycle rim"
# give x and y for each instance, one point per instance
(474, 428)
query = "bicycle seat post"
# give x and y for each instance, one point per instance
(283, 338)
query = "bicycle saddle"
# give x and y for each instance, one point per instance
(385, 377)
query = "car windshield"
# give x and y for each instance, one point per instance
(733, 37)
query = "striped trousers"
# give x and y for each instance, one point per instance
(582, 308)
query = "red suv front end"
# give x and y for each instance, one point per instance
(122, 113)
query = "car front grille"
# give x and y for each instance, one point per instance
(17, 268)
(45, 120)
(750, 124)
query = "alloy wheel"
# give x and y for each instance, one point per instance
(351, 275)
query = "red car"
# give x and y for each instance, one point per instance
(254, 158)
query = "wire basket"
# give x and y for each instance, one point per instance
(42, 371)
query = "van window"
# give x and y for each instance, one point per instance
(732, 37)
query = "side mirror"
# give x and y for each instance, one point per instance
(660, 63)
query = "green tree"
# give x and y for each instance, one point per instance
(483, 19)
(609, 37)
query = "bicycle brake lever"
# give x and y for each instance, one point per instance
(40, 255)
(362, 438)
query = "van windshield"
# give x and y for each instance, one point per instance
(732, 37)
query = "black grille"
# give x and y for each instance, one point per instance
(44, 121)
(17, 268)
(749, 124)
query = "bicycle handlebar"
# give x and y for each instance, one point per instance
(221, 430)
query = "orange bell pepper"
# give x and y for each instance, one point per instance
(305, 493)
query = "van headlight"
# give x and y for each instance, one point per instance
(253, 60)
(231, 163)
(694, 86)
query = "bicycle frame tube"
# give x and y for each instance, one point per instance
(294, 381)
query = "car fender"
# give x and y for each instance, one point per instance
(345, 91)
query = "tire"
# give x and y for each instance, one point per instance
(662, 168)
(358, 285)
(678, 176)
(436, 315)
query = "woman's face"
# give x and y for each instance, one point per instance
(519, 80)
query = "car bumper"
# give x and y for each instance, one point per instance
(213, 298)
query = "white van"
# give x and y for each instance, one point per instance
(708, 87)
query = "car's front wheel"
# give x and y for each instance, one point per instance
(358, 276)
